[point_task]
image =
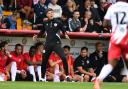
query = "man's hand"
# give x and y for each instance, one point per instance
(23, 74)
(67, 37)
(35, 37)
(92, 74)
(59, 61)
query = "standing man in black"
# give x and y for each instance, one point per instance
(53, 42)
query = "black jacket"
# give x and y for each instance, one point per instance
(52, 29)
(40, 12)
(98, 61)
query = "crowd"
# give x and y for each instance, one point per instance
(19, 66)
(76, 15)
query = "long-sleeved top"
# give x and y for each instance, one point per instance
(10, 24)
(74, 25)
(40, 10)
(22, 3)
(52, 29)
(98, 60)
(57, 10)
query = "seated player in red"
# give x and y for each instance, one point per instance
(34, 59)
(18, 55)
(55, 70)
(4, 57)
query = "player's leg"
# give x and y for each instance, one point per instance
(86, 78)
(13, 71)
(48, 51)
(32, 72)
(61, 54)
(38, 69)
(29, 76)
(114, 53)
(49, 75)
(56, 73)
(8, 69)
(77, 78)
(125, 60)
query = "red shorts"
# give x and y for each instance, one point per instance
(117, 50)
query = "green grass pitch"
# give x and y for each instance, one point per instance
(51, 85)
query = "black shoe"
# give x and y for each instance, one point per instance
(68, 79)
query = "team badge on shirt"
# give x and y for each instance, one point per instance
(87, 62)
(55, 24)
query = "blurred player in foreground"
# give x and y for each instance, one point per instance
(118, 15)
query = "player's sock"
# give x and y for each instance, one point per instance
(13, 71)
(2, 77)
(45, 78)
(39, 72)
(124, 70)
(105, 71)
(56, 76)
(31, 70)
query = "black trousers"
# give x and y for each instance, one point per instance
(59, 51)
(28, 78)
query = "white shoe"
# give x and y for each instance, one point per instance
(34, 80)
(56, 78)
(68, 79)
(42, 80)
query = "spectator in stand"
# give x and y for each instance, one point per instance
(9, 5)
(56, 8)
(34, 60)
(2, 24)
(93, 4)
(1, 20)
(61, 2)
(98, 58)
(55, 70)
(47, 2)
(95, 14)
(35, 2)
(10, 21)
(80, 3)
(1, 4)
(87, 23)
(74, 22)
(102, 9)
(69, 8)
(1, 17)
(64, 20)
(82, 65)
(40, 9)
(5, 56)
(70, 61)
(25, 7)
(1, 9)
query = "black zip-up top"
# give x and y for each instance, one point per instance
(52, 29)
